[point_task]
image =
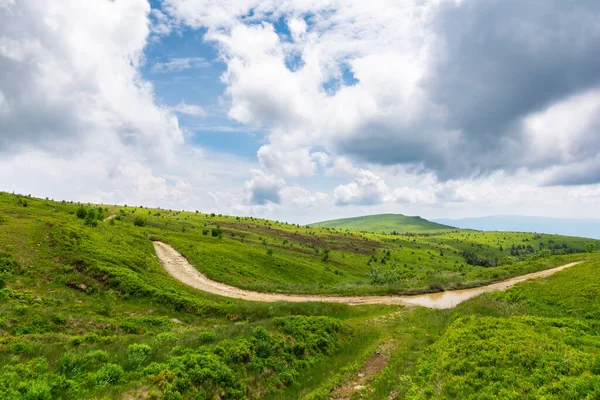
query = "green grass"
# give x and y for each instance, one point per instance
(79, 301)
(540, 339)
(86, 311)
(385, 223)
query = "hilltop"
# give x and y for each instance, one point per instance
(385, 223)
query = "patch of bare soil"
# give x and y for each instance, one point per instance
(372, 367)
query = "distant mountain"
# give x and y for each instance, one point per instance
(514, 223)
(385, 223)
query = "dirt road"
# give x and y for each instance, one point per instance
(179, 268)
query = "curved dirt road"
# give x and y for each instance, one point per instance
(179, 268)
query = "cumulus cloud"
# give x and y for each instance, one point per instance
(70, 78)
(78, 120)
(366, 189)
(263, 189)
(180, 64)
(289, 163)
(412, 83)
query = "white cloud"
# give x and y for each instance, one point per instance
(287, 163)
(80, 123)
(407, 194)
(180, 64)
(382, 91)
(189, 109)
(586, 193)
(322, 159)
(302, 198)
(558, 132)
(341, 167)
(366, 189)
(389, 83)
(70, 78)
(263, 189)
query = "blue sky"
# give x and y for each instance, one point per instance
(198, 84)
(305, 109)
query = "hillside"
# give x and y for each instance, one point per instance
(87, 311)
(385, 223)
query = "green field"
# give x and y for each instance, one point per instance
(86, 311)
(385, 223)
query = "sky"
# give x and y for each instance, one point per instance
(305, 110)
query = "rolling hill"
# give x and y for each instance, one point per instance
(385, 223)
(88, 312)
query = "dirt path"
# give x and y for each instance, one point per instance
(371, 368)
(111, 216)
(179, 268)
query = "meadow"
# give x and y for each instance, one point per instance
(86, 311)
(271, 256)
(385, 223)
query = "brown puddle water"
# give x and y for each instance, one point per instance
(452, 298)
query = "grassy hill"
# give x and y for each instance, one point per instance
(86, 311)
(385, 223)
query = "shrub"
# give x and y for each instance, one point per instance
(137, 354)
(165, 337)
(71, 364)
(8, 264)
(58, 318)
(108, 375)
(206, 337)
(81, 212)
(590, 247)
(139, 221)
(90, 219)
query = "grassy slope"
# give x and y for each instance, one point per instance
(78, 298)
(385, 223)
(88, 312)
(540, 339)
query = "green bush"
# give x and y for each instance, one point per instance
(206, 337)
(81, 212)
(166, 337)
(91, 219)
(139, 221)
(137, 354)
(108, 375)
